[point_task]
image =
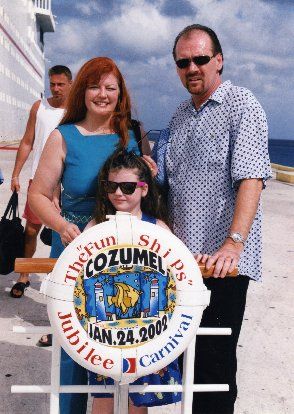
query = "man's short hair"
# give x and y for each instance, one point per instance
(59, 70)
(214, 39)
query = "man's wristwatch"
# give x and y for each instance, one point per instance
(237, 238)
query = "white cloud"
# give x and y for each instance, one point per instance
(76, 66)
(71, 38)
(142, 28)
(88, 8)
(74, 38)
(271, 62)
(247, 25)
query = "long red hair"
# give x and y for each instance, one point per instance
(91, 72)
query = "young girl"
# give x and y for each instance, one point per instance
(125, 184)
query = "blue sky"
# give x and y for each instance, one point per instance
(256, 37)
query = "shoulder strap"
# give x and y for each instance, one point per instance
(137, 131)
(12, 207)
(149, 219)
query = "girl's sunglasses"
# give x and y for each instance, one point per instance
(126, 187)
(197, 60)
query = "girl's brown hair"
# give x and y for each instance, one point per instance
(91, 72)
(152, 204)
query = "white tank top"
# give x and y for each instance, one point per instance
(47, 120)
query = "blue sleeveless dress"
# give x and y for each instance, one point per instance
(85, 155)
(169, 375)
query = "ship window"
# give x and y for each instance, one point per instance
(153, 294)
(101, 298)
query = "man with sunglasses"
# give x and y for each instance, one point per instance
(214, 161)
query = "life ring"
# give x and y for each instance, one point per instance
(125, 298)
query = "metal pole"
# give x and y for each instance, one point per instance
(109, 389)
(123, 400)
(214, 331)
(116, 397)
(55, 377)
(48, 329)
(188, 378)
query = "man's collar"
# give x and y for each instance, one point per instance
(217, 96)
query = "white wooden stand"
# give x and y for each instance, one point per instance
(121, 391)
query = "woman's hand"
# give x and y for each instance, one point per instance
(69, 233)
(151, 164)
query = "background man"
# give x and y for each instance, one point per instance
(214, 161)
(44, 116)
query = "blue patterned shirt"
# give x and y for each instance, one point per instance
(201, 157)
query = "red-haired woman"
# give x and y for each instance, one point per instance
(96, 122)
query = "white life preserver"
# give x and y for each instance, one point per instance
(125, 298)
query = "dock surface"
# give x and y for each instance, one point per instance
(265, 350)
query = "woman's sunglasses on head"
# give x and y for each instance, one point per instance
(197, 60)
(125, 187)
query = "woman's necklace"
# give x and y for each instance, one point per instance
(101, 131)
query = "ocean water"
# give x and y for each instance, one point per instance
(281, 150)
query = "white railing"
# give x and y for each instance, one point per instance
(44, 14)
(121, 391)
(43, 4)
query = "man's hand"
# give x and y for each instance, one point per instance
(202, 258)
(15, 184)
(151, 164)
(225, 258)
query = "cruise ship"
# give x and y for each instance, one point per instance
(22, 61)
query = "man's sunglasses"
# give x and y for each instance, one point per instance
(198, 60)
(126, 187)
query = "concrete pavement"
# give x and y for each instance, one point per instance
(266, 343)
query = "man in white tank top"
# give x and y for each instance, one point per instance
(44, 117)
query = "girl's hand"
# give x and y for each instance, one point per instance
(151, 164)
(69, 233)
(202, 258)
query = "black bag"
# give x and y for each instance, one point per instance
(11, 236)
(46, 236)
(137, 131)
